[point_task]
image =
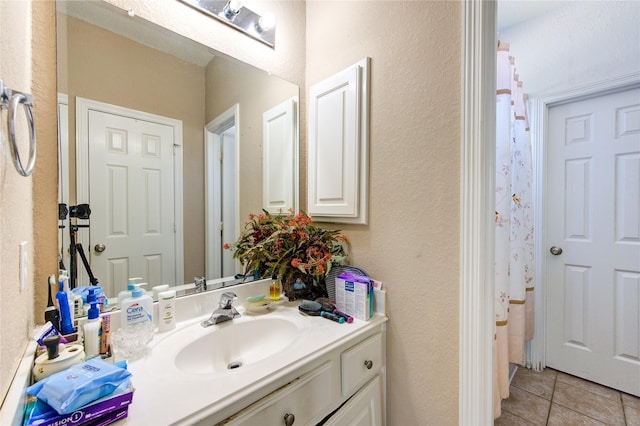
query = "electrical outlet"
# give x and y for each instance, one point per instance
(23, 265)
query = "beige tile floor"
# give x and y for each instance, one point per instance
(558, 399)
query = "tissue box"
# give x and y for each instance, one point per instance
(354, 295)
(101, 412)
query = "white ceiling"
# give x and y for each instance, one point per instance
(514, 12)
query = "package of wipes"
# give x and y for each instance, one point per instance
(79, 385)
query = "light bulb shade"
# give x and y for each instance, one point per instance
(235, 6)
(267, 21)
(231, 9)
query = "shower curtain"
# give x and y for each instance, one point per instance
(513, 227)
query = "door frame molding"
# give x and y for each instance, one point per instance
(212, 131)
(539, 112)
(477, 206)
(83, 106)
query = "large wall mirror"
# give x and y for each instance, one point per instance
(163, 138)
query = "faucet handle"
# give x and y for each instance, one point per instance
(226, 299)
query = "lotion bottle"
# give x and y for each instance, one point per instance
(92, 327)
(166, 310)
(137, 309)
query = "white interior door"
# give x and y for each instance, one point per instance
(63, 180)
(131, 186)
(222, 144)
(280, 158)
(228, 192)
(593, 216)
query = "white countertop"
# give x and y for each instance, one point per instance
(164, 395)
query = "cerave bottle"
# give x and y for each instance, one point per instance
(137, 309)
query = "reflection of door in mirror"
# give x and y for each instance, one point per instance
(129, 166)
(63, 174)
(221, 188)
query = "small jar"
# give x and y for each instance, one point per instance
(274, 289)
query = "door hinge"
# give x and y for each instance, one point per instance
(220, 156)
(175, 228)
(221, 226)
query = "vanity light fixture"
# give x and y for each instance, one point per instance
(240, 17)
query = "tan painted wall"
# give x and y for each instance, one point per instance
(27, 55)
(412, 240)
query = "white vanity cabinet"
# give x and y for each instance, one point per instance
(344, 387)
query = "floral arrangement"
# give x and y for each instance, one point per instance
(290, 247)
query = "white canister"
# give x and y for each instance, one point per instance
(68, 355)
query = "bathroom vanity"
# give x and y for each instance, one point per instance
(272, 368)
(275, 367)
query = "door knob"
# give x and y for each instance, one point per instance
(368, 363)
(556, 251)
(99, 248)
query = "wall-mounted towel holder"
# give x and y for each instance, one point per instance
(10, 99)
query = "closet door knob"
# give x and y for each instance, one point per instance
(289, 419)
(368, 363)
(99, 248)
(556, 251)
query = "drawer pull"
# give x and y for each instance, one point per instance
(289, 419)
(368, 363)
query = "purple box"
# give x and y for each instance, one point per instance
(109, 418)
(41, 414)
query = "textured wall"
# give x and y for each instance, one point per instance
(24, 55)
(412, 240)
(581, 43)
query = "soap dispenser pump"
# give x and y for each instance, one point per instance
(124, 294)
(92, 326)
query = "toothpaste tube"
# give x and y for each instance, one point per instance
(45, 331)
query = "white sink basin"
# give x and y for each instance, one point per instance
(233, 344)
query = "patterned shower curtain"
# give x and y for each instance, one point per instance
(514, 226)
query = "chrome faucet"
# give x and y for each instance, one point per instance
(224, 312)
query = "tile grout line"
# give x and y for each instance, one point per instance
(592, 393)
(555, 380)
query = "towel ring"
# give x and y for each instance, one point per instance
(16, 99)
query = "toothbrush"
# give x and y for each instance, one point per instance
(51, 313)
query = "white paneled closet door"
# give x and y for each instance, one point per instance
(131, 195)
(337, 158)
(593, 233)
(280, 158)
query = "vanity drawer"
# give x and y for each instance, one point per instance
(360, 363)
(301, 402)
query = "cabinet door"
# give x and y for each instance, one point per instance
(303, 401)
(360, 363)
(364, 409)
(280, 157)
(337, 160)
